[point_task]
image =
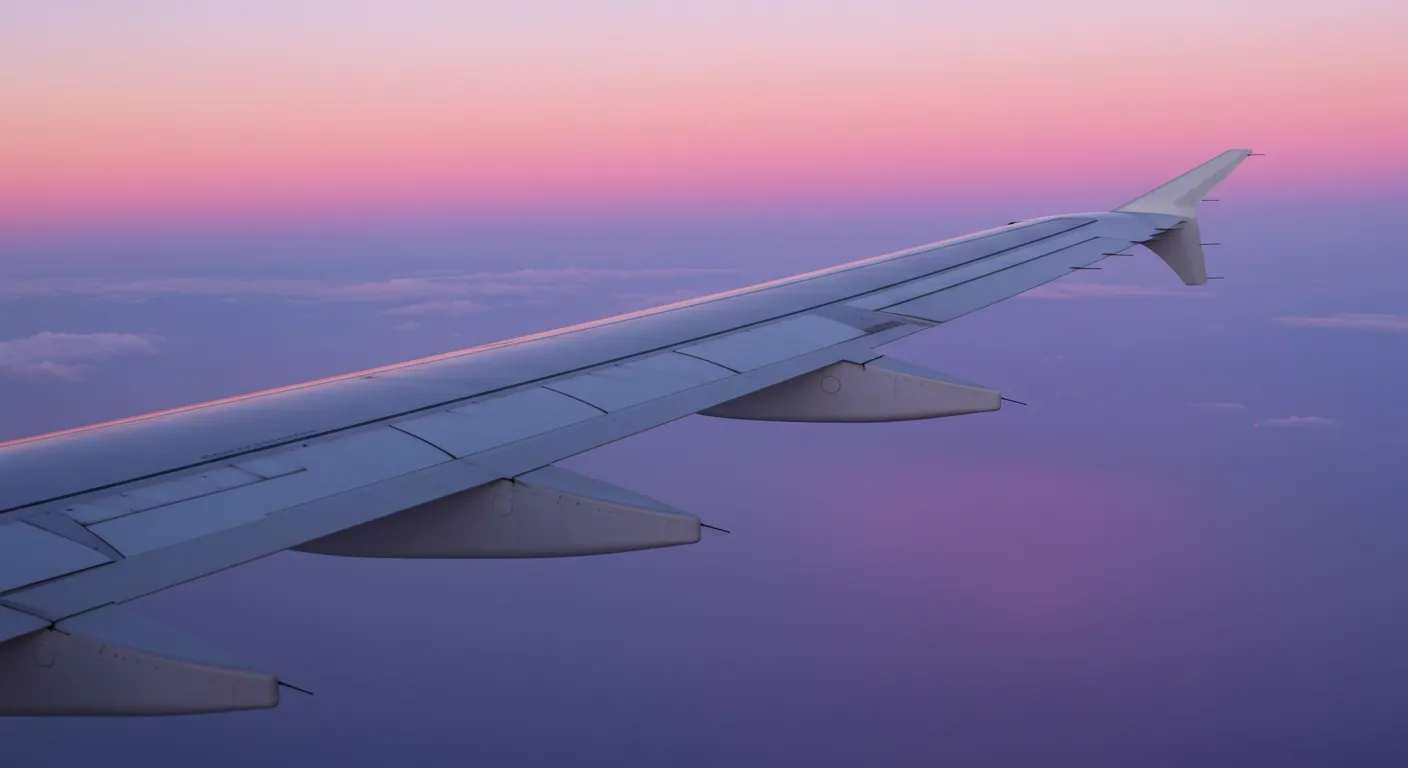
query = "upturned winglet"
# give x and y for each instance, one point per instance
(1181, 247)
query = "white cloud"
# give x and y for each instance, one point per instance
(1355, 321)
(67, 355)
(446, 293)
(1065, 291)
(1219, 405)
(1298, 421)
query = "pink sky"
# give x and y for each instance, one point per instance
(112, 113)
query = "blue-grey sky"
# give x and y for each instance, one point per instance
(1187, 550)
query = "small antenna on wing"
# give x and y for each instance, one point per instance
(1010, 400)
(1085, 268)
(715, 528)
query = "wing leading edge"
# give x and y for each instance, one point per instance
(453, 456)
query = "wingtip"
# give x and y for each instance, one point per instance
(1180, 196)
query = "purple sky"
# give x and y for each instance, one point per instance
(1186, 551)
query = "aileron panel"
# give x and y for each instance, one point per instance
(973, 295)
(970, 271)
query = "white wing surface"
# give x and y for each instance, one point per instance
(452, 455)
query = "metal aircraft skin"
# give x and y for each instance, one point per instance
(452, 456)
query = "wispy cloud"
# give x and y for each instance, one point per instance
(449, 293)
(1219, 405)
(447, 307)
(644, 300)
(67, 355)
(1354, 321)
(1065, 291)
(1298, 421)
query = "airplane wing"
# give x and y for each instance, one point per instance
(453, 456)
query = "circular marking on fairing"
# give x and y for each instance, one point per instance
(830, 385)
(503, 504)
(43, 655)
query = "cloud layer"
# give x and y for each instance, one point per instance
(1354, 321)
(1220, 405)
(67, 355)
(1299, 421)
(443, 294)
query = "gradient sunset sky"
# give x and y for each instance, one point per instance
(149, 109)
(1188, 550)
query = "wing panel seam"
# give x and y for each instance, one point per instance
(549, 388)
(423, 440)
(710, 362)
